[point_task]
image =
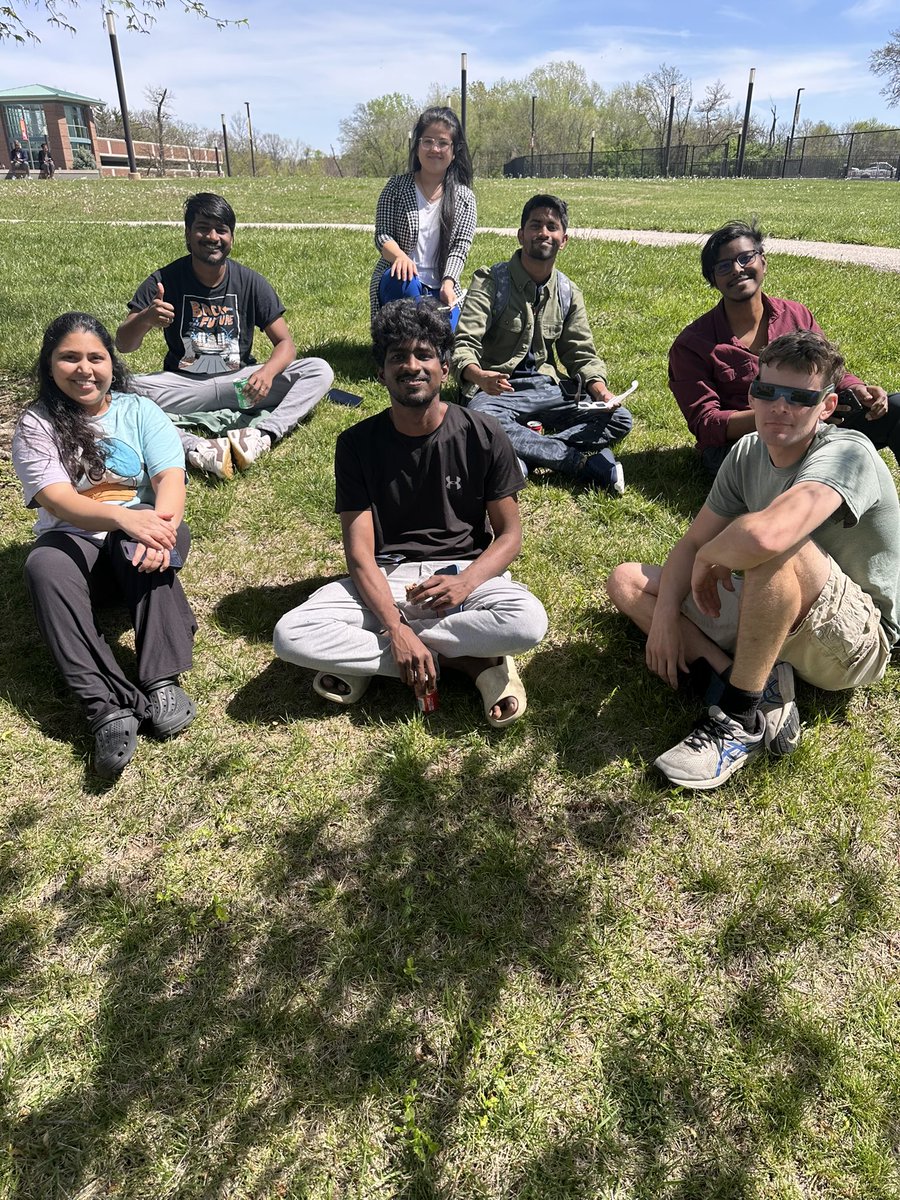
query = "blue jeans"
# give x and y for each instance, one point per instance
(573, 432)
(390, 288)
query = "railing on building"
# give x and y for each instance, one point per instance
(819, 156)
(176, 160)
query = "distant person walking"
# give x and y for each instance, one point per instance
(425, 220)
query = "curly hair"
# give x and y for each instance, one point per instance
(76, 439)
(404, 321)
(458, 172)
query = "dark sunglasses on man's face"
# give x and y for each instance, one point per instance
(724, 265)
(805, 397)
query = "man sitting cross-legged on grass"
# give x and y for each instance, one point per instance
(713, 360)
(808, 515)
(208, 307)
(423, 488)
(520, 318)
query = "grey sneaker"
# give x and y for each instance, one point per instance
(715, 748)
(213, 456)
(247, 445)
(779, 709)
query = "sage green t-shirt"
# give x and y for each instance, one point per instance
(862, 535)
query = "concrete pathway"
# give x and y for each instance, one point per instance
(882, 258)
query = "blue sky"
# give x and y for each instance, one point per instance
(302, 71)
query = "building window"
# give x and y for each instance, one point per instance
(79, 133)
(28, 126)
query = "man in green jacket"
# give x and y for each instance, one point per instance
(519, 320)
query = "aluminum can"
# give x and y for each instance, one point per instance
(534, 426)
(243, 400)
(428, 703)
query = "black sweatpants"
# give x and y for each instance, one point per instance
(68, 578)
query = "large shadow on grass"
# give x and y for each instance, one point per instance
(224, 1032)
(366, 997)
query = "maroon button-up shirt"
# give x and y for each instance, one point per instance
(710, 372)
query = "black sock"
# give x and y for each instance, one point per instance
(740, 705)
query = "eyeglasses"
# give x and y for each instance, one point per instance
(805, 397)
(440, 144)
(725, 265)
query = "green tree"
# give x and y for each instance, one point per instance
(653, 94)
(886, 61)
(375, 135)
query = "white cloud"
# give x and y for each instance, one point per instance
(865, 10)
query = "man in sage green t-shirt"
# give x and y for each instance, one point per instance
(791, 564)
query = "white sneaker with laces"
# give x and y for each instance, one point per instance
(247, 445)
(212, 455)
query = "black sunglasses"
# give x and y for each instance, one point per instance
(805, 397)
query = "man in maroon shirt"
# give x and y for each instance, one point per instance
(714, 360)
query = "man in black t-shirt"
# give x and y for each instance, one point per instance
(427, 496)
(208, 308)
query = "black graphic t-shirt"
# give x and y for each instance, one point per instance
(212, 333)
(428, 495)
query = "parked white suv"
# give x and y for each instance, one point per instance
(879, 170)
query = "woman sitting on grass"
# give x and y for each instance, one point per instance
(425, 220)
(105, 469)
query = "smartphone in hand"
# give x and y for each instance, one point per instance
(175, 560)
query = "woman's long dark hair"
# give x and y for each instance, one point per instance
(459, 171)
(75, 439)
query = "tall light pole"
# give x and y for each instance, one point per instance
(225, 144)
(120, 87)
(789, 144)
(250, 131)
(743, 146)
(463, 77)
(669, 129)
(533, 102)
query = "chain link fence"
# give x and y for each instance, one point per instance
(869, 155)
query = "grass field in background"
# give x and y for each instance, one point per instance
(863, 212)
(310, 952)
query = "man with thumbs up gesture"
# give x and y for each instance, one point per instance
(208, 307)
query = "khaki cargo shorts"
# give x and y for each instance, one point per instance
(840, 643)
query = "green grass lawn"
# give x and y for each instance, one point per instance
(309, 952)
(819, 209)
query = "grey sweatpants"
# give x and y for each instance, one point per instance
(294, 393)
(334, 631)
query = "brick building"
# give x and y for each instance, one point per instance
(36, 113)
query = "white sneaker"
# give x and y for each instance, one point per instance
(247, 445)
(212, 455)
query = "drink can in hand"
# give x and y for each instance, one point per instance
(243, 399)
(428, 703)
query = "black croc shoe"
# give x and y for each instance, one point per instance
(171, 708)
(115, 741)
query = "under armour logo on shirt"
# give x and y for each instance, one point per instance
(454, 482)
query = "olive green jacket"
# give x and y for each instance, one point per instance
(501, 344)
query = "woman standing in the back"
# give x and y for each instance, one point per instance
(425, 219)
